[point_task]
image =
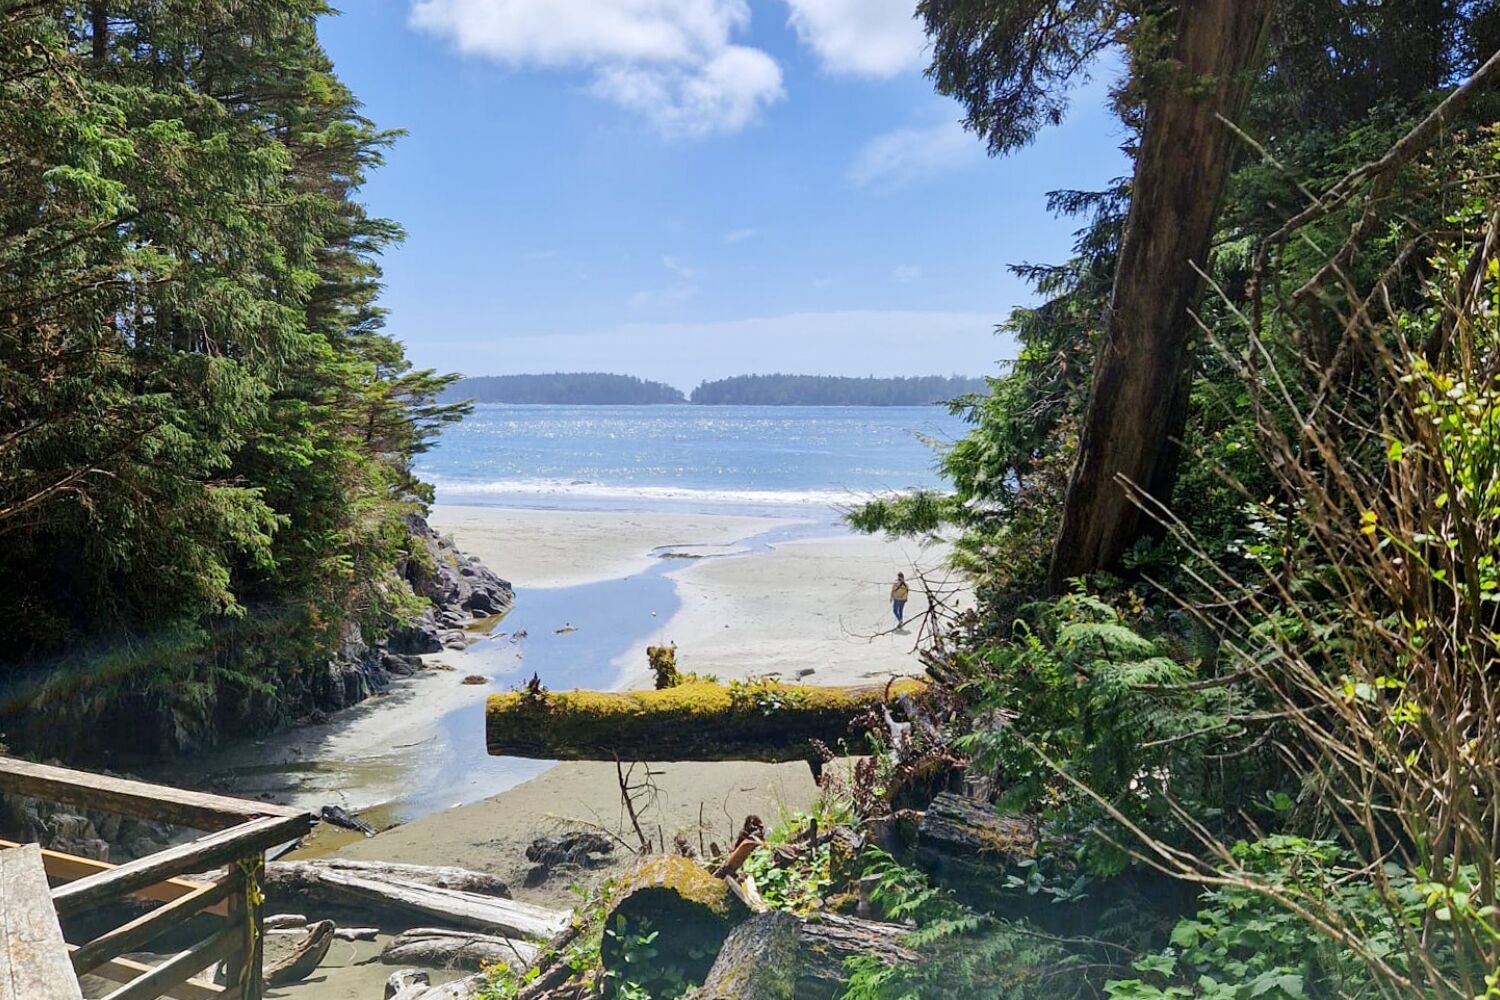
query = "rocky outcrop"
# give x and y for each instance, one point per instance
(461, 589)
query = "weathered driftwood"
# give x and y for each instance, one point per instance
(758, 961)
(302, 961)
(443, 948)
(368, 891)
(690, 911)
(466, 988)
(828, 940)
(696, 720)
(291, 876)
(407, 984)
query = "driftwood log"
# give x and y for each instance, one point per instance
(408, 984)
(291, 876)
(305, 958)
(696, 720)
(444, 948)
(377, 894)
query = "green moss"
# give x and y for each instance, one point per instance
(695, 720)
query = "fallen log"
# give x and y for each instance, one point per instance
(368, 891)
(441, 948)
(292, 876)
(696, 720)
(963, 845)
(828, 940)
(758, 961)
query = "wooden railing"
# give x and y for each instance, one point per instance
(237, 835)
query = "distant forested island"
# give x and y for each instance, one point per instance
(835, 390)
(565, 387)
(598, 388)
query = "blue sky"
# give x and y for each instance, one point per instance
(690, 189)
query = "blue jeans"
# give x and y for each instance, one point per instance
(899, 608)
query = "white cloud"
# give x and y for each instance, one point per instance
(672, 61)
(875, 38)
(895, 159)
(905, 274)
(740, 235)
(680, 269)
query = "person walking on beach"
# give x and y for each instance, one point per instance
(899, 593)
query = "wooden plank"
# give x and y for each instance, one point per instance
(199, 810)
(149, 926)
(179, 968)
(33, 956)
(70, 868)
(206, 852)
(123, 970)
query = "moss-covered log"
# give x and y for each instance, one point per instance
(696, 720)
(667, 915)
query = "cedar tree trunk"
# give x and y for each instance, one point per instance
(1137, 406)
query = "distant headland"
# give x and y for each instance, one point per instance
(599, 388)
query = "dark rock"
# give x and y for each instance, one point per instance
(577, 848)
(401, 664)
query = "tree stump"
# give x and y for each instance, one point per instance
(666, 922)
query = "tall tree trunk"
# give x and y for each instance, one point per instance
(99, 23)
(1138, 402)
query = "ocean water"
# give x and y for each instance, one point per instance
(709, 458)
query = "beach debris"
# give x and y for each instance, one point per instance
(296, 876)
(308, 955)
(407, 984)
(284, 921)
(476, 679)
(356, 933)
(518, 635)
(339, 816)
(370, 891)
(567, 627)
(807, 671)
(445, 948)
(575, 848)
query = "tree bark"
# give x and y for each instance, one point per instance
(758, 961)
(99, 29)
(1138, 403)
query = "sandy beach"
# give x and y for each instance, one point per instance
(806, 603)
